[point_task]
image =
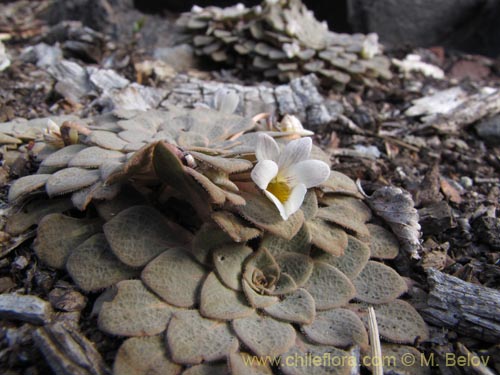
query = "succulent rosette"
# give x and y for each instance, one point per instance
(283, 40)
(217, 248)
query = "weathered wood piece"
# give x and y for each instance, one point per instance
(26, 308)
(483, 104)
(471, 310)
(68, 352)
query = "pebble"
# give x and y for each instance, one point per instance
(489, 129)
(466, 182)
(20, 263)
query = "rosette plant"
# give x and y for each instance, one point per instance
(214, 243)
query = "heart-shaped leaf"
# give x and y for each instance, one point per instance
(337, 327)
(134, 311)
(220, 302)
(397, 321)
(341, 184)
(144, 356)
(329, 287)
(175, 276)
(300, 243)
(208, 237)
(138, 234)
(378, 283)
(93, 157)
(353, 260)
(264, 335)
(298, 360)
(298, 266)
(383, 244)
(58, 234)
(242, 363)
(228, 262)
(261, 211)
(296, 307)
(192, 339)
(92, 265)
(328, 238)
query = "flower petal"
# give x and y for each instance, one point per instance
(267, 148)
(278, 204)
(264, 172)
(295, 200)
(308, 172)
(294, 152)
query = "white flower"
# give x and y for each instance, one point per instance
(285, 176)
(292, 124)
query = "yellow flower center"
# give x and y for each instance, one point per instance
(279, 188)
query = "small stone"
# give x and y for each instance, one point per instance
(489, 129)
(67, 299)
(20, 263)
(30, 309)
(466, 182)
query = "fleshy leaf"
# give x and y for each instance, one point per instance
(61, 158)
(297, 307)
(298, 266)
(228, 165)
(346, 214)
(134, 311)
(93, 157)
(397, 321)
(70, 179)
(242, 363)
(207, 369)
(192, 339)
(361, 211)
(300, 243)
(291, 363)
(228, 262)
(257, 300)
(328, 238)
(144, 356)
(220, 302)
(92, 265)
(264, 335)
(378, 283)
(341, 184)
(261, 271)
(58, 234)
(310, 205)
(383, 244)
(353, 260)
(175, 276)
(138, 234)
(106, 139)
(262, 212)
(234, 226)
(329, 287)
(208, 237)
(33, 212)
(26, 185)
(337, 327)
(215, 193)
